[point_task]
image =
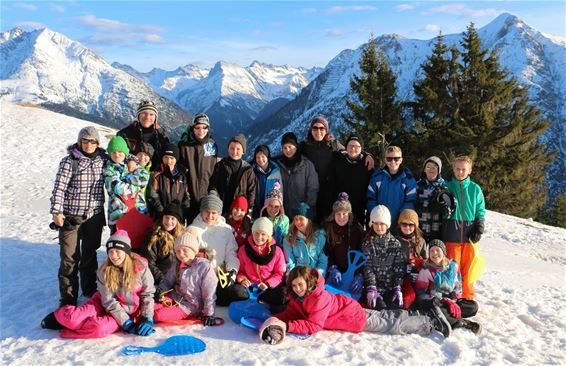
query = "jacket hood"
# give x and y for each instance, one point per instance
(74, 151)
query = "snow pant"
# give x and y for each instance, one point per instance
(408, 293)
(463, 254)
(77, 250)
(275, 298)
(162, 313)
(86, 321)
(397, 322)
(234, 292)
(469, 308)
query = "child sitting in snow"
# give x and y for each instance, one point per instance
(239, 220)
(274, 211)
(311, 309)
(262, 263)
(193, 283)
(124, 300)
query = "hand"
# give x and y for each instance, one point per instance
(208, 320)
(246, 283)
(373, 296)
(455, 310)
(262, 286)
(413, 277)
(357, 283)
(397, 297)
(59, 219)
(475, 237)
(144, 326)
(273, 334)
(129, 326)
(132, 166)
(334, 276)
(370, 163)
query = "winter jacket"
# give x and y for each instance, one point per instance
(264, 183)
(386, 264)
(413, 260)
(229, 185)
(253, 268)
(194, 286)
(121, 304)
(347, 237)
(438, 281)
(320, 310)
(469, 215)
(120, 184)
(199, 157)
(165, 187)
(430, 217)
(301, 184)
(79, 190)
(158, 261)
(311, 255)
(352, 177)
(135, 135)
(396, 192)
(220, 239)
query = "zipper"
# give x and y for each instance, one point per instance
(462, 206)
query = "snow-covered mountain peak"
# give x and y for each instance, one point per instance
(11, 34)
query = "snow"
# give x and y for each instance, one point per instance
(521, 293)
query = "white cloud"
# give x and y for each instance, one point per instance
(57, 7)
(264, 48)
(103, 24)
(463, 10)
(405, 7)
(153, 38)
(30, 25)
(26, 6)
(341, 9)
(432, 28)
(334, 33)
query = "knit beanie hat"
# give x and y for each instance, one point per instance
(408, 215)
(289, 138)
(437, 243)
(304, 210)
(263, 149)
(342, 203)
(354, 137)
(171, 150)
(240, 202)
(211, 202)
(201, 119)
(118, 144)
(146, 105)
(146, 148)
(436, 160)
(90, 133)
(241, 139)
(319, 119)
(263, 224)
(120, 240)
(174, 209)
(187, 239)
(381, 214)
(273, 194)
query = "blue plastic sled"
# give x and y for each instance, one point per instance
(356, 260)
(255, 323)
(248, 308)
(173, 346)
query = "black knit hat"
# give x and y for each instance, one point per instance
(171, 150)
(354, 137)
(263, 149)
(147, 105)
(289, 138)
(241, 139)
(437, 243)
(146, 148)
(174, 209)
(120, 240)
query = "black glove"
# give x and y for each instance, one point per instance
(231, 278)
(475, 237)
(208, 321)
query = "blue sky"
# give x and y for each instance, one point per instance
(168, 34)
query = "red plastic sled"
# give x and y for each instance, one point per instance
(134, 222)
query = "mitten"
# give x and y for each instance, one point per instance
(129, 326)
(272, 331)
(334, 276)
(144, 326)
(357, 283)
(453, 308)
(208, 321)
(397, 297)
(373, 296)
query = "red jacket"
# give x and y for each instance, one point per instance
(270, 273)
(322, 310)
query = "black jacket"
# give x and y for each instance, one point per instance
(134, 137)
(163, 189)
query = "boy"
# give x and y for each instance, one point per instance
(466, 222)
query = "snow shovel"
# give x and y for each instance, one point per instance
(173, 346)
(356, 260)
(134, 222)
(249, 307)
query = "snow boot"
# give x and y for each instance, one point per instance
(49, 322)
(475, 327)
(439, 321)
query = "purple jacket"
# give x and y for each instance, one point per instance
(79, 191)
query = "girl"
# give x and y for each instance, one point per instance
(274, 211)
(192, 281)
(303, 245)
(158, 246)
(262, 263)
(267, 174)
(343, 233)
(414, 250)
(383, 272)
(440, 279)
(124, 300)
(311, 308)
(239, 220)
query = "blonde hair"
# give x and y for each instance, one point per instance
(167, 238)
(116, 278)
(294, 232)
(394, 149)
(463, 158)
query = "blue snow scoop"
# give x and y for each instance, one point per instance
(248, 308)
(356, 260)
(173, 346)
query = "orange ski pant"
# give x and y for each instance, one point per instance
(463, 254)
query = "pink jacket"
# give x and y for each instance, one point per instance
(322, 310)
(270, 273)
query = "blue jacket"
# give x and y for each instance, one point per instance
(396, 193)
(264, 183)
(307, 255)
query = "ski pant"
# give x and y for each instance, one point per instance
(234, 292)
(77, 251)
(463, 254)
(396, 322)
(469, 308)
(86, 321)
(408, 293)
(162, 313)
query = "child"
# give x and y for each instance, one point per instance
(383, 272)
(267, 174)
(232, 175)
(239, 220)
(304, 245)
(414, 250)
(440, 279)
(433, 199)
(144, 155)
(123, 180)
(466, 222)
(343, 232)
(124, 300)
(274, 211)
(262, 263)
(312, 308)
(158, 246)
(193, 281)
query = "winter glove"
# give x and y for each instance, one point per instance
(231, 277)
(475, 237)
(208, 321)
(455, 310)
(397, 297)
(144, 326)
(373, 296)
(129, 326)
(357, 283)
(334, 276)
(272, 331)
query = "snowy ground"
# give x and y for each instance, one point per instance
(521, 294)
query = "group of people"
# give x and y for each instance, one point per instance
(284, 224)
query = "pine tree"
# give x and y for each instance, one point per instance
(558, 211)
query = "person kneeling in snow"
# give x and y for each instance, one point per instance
(312, 309)
(124, 300)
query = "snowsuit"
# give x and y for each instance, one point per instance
(165, 187)
(430, 216)
(106, 312)
(264, 183)
(135, 135)
(307, 254)
(300, 181)
(78, 193)
(231, 179)
(158, 261)
(348, 237)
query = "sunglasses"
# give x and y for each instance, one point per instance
(407, 224)
(89, 141)
(319, 128)
(354, 146)
(200, 128)
(391, 158)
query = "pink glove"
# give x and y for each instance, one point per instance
(454, 309)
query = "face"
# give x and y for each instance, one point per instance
(431, 170)
(318, 131)
(235, 151)
(116, 256)
(461, 170)
(436, 255)
(353, 149)
(261, 159)
(299, 286)
(289, 150)
(407, 228)
(185, 254)
(169, 222)
(260, 237)
(118, 157)
(169, 161)
(210, 216)
(200, 130)
(393, 160)
(341, 218)
(273, 208)
(379, 227)
(88, 145)
(147, 118)
(301, 223)
(143, 158)
(238, 214)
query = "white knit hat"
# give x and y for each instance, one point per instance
(263, 224)
(381, 214)
(187, 239)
